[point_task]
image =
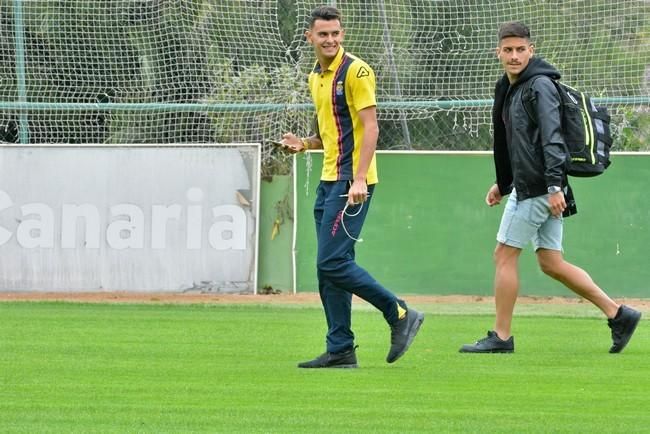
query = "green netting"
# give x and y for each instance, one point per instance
(179, 71)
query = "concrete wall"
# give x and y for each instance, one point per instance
(136, 218)
(429, 231)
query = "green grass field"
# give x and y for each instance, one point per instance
(116, 368)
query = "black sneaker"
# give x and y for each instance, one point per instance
(490, 344)
(346, 359)
(403, 333)
(623, 326)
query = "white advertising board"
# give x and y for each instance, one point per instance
(129, 218)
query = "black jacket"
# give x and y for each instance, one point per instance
(529, 151)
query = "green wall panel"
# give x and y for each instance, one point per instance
(274, 260)
(429, 231)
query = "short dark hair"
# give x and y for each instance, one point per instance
(514, 29)
(326, 13)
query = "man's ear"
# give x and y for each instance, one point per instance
(308, 36)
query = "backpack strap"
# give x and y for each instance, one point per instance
(526, 102)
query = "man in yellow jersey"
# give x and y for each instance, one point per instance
(343, 89)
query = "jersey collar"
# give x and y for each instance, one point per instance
(335, 63)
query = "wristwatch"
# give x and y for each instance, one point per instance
(554, 189)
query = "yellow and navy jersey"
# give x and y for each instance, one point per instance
(339, 93)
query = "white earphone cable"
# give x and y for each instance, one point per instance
(345, 213)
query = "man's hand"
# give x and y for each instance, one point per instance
(291, 143)
(358, 193)
(556, 203)
(493, 196)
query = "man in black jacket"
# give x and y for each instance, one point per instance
(529, 157)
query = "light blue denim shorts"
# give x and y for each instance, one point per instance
(530, 220)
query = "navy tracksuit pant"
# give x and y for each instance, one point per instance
(338, 274)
